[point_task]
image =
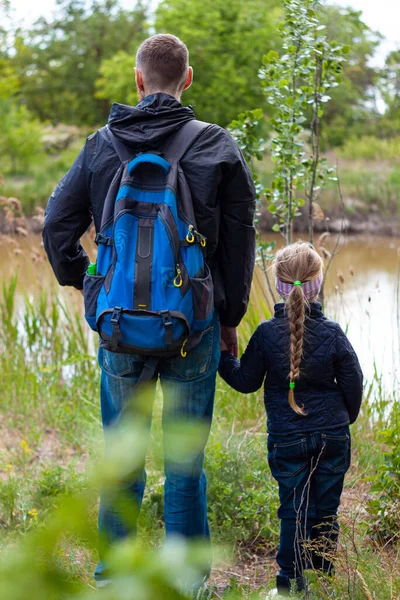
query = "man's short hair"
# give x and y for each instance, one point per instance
(164, 61)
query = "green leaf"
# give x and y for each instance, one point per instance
(271, 56)
(268, 192)
(276, 228)
(258, 113)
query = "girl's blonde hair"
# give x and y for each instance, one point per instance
(297, 262)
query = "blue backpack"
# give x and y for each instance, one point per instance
(152, 293)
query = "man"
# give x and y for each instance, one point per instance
(224, 202)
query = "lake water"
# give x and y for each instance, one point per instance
(362, 294)
(367, 303)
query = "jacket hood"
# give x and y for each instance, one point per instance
(150, 123)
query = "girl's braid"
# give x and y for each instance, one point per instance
(296, 304)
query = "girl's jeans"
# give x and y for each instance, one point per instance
(310, 470)
(188, 386)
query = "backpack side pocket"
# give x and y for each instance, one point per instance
(203, 297)
(91, 288)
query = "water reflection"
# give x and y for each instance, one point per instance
(361, 293)
(367, 303)
(25, 256)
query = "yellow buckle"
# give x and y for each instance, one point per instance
(178, 279)
(203, 242)
(189, 235)
(183, 353)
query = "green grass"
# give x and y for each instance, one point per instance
(372, 149)
(50, 438)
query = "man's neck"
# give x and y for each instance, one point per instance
(146, 93)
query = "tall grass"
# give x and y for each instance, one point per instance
(48, 372)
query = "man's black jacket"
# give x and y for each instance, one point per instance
(219, 179)
(331, 381)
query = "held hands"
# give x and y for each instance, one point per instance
(229, 339)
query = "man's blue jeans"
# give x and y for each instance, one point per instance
(188, 386)
(310, 470)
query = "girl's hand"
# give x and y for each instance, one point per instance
(224, 347)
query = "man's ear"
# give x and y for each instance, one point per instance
(139, 79)
(189, 79)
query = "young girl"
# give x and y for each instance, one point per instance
(312, 392)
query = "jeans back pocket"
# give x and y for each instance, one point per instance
(287, 459)
(336, 452)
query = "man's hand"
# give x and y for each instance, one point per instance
(230, 338)
(223, 346)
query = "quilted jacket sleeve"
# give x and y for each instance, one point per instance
(348, 374)
(68, 215)
(246, 375)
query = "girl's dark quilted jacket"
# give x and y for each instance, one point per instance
(330, 384)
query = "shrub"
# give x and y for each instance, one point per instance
(35, 190)
(20, 137)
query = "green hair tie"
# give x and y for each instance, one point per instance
(297, 283)
(292, 385)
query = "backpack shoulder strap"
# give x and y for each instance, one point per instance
(179, 143)
(123, 152)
